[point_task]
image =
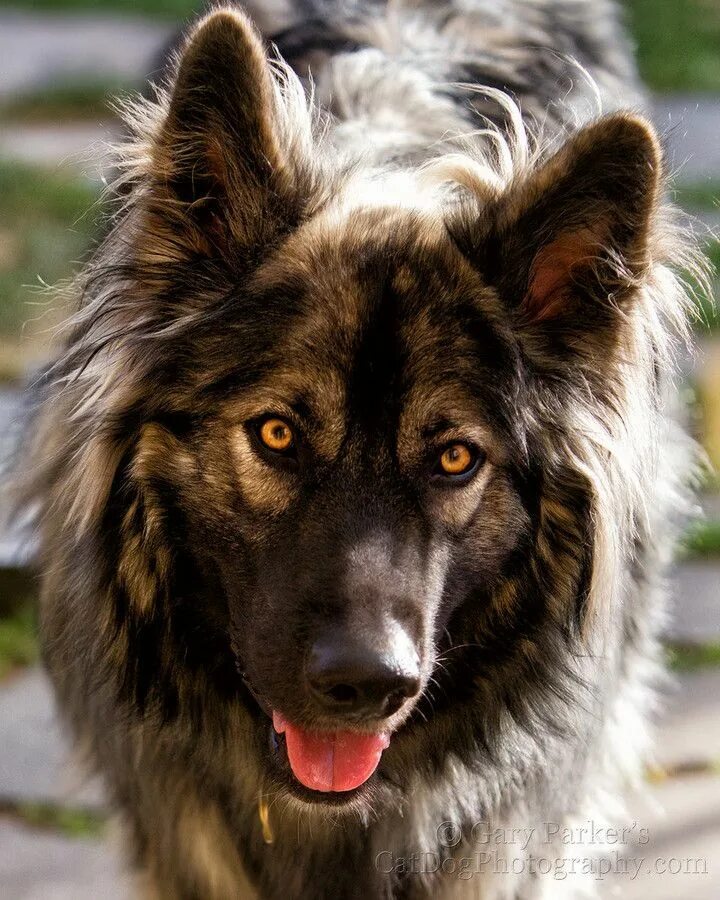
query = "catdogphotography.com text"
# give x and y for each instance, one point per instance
(593, 850)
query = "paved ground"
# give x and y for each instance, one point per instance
(678, 856)
(78, 147)
(36, 766)
(38, 50)
(12, 547)
(690, 127)
(42, 865)
(34, 763)
(681, 857)
(695, 610)
(46, 50)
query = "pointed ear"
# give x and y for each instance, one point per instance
(218, 150)
(567, 245)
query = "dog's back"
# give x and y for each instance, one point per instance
(400, 71)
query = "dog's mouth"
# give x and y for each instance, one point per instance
(330, 762)
(324, 762)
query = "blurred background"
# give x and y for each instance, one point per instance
(60, 63)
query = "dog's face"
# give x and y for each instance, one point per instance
(361, 480)
(359, 465)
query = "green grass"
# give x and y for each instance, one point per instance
(699, 197)
(72, 100)
(678, 43)
(71, 821)
(691, 657)
(45, 224)
(169, 9)
(706, 316)
(713, 251)
(710, 306)
(18, 640)
(709, 481)
(709, 315)
(702, 540)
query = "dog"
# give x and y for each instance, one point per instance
(356, 472)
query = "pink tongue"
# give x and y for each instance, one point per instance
(339, 761)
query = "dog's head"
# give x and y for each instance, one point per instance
(353, 435)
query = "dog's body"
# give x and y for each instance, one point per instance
(384, 383)
(396, 76)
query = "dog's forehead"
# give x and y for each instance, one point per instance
(386, 314)
(377, 283)
(347, 268)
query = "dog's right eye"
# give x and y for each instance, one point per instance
(276, 435)
(456, 460)
(457, 463)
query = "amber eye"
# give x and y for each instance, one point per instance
(276, 435)
(458, 459)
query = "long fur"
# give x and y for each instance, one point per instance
(573, 702)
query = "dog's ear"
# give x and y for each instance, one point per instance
(566, 245)
(218, 155)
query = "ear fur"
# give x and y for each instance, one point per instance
(567, 245)
(219, 151)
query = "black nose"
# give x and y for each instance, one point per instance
(352, 678)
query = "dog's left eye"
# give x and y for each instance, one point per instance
(458, 461)
(276, 435)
